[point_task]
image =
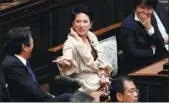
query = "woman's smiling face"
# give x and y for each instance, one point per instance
(81, 24)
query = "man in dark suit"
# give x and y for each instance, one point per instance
(144, 35)
(17, 71)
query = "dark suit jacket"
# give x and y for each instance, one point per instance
(21, 85)
(4, 94)
(163, 15)
(136, 43)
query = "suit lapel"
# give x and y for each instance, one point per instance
(18, 60)
(163, 15)
(26, 69)
(140, 32)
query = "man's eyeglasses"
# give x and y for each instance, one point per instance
(131, 91)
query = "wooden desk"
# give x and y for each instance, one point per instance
(153, 87)
(151, 70)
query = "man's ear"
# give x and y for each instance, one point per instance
(119, 97)
(24, 47)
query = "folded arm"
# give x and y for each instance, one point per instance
(131, 47)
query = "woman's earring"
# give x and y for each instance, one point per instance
(25, 50)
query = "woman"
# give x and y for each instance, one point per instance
(82, 56)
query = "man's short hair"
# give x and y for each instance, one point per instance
(15, 38)
(152, 3)
(79, 96)
(117, 86)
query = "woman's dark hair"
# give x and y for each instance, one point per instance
(152, 3)
(81, 9)
(15, 38)
(117, 86)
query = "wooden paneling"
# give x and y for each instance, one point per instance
(153, 86)
(97, 32)
(151, 70)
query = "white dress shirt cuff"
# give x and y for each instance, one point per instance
(151, 31)
(167, 46)
(154, 50)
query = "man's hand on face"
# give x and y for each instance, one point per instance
(145, 20)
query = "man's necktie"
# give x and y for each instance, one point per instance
(30, 71)
(154, 22)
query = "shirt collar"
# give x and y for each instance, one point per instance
(136, 17)
(21, 59)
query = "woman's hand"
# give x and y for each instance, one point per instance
(104, 70)
(63, 63)
(105, 83)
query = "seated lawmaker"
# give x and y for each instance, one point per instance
(23, 87)
(82, 55)
(123, 89)
(144, 35)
